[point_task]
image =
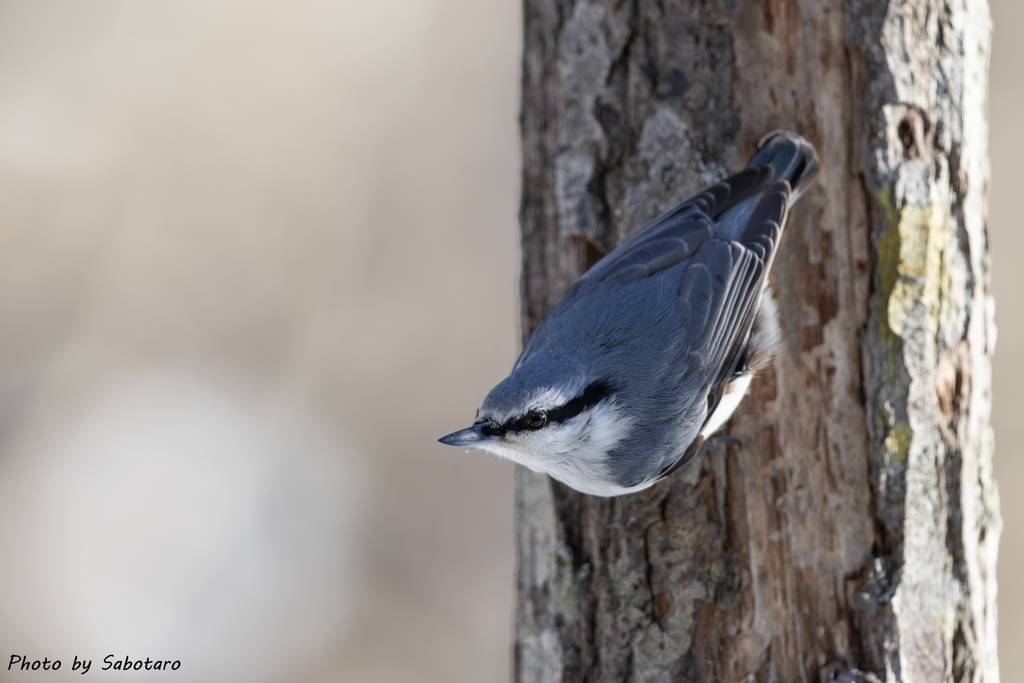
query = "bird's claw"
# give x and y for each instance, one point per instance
(726, 438)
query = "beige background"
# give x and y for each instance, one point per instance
(1006, 235)
(254, 258)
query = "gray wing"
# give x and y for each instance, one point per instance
(674, 235)
(718, 297)
(719, 292)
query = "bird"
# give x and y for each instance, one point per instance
(653, 348)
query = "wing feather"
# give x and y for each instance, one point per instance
(721, 284)
(673, 236)
(737, 279)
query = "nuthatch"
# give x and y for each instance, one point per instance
(652, 350)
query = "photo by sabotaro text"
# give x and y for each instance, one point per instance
(110, 662)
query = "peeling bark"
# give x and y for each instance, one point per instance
(853, 536)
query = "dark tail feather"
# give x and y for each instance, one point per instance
(792, 157)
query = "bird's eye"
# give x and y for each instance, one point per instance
(536, 419)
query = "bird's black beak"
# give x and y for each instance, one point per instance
(472, 436)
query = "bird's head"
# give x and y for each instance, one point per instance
(551, 417)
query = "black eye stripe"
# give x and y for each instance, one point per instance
(591, 396)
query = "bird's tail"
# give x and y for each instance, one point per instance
(792, 157)
(765, 198)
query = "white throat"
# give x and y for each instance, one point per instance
(574, 452)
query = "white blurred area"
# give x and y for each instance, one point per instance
(174, 521)
(238, 244)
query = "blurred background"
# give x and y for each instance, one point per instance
(239, 243)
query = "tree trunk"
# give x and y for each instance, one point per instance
(853, 533)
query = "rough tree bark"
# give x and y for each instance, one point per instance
(853, 534)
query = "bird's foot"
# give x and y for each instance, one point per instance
(727, 438)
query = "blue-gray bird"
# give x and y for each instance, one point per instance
(653, 349)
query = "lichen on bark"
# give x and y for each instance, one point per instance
(928, 369)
